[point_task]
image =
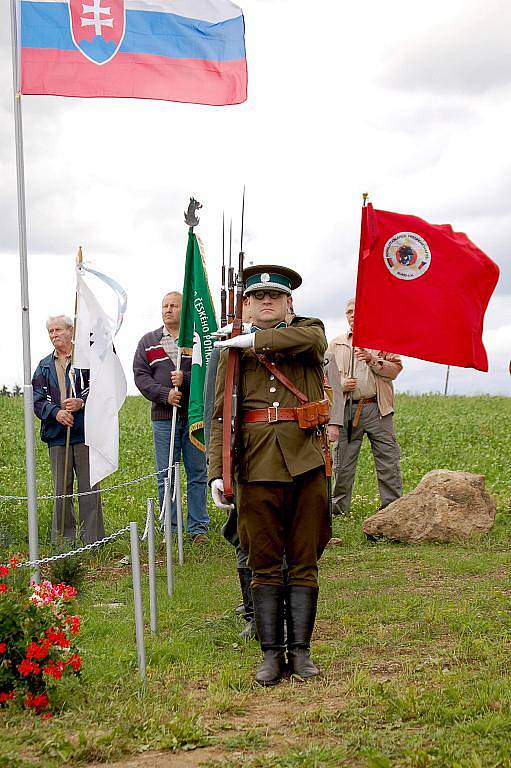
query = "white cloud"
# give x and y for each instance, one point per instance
(329, 116)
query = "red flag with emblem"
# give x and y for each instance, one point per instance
(422, 290)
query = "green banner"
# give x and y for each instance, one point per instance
(198, 322)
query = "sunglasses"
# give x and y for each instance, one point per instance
(259, 295)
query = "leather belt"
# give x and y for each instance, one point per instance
(360, 404)
(269, 415)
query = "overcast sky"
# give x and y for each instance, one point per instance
(408, 101)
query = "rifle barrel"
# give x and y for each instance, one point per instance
(223, 293)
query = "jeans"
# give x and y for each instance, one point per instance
(197, 519)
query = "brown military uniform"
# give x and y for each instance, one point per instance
(280, 475)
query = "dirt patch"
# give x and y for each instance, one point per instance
(190, 759)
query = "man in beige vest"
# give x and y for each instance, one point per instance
(370, 381)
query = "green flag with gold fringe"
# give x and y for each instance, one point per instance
(198, 322)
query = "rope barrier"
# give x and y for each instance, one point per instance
(88, 493)
(87, 547)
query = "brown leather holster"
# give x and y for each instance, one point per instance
(309, 415)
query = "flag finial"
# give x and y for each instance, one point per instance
(191, 218)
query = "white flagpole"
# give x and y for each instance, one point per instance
(170, 464)
(28, 395)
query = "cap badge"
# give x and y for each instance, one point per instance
(265, 278)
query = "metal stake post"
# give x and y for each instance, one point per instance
(28, 396)
(179, 512)
(168, 538)
(137, 599)
(447, 379)
(151, 556)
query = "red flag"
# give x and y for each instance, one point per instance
(422, 290)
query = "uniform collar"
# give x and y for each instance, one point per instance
(282, 324)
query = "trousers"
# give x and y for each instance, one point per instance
(90, 513)
(384, 446)
(291, 519)
(197, 518)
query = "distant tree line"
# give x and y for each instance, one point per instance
(16, 391)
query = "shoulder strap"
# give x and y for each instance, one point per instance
(282, 378)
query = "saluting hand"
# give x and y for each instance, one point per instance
(226, 330)
(243, 341)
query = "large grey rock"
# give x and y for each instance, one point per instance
(445, 506)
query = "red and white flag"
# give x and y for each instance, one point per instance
(422, 290)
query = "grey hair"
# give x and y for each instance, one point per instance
(173, 293)
(67, 320)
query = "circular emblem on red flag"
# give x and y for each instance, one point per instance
(407, 255)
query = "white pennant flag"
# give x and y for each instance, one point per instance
(94, 350)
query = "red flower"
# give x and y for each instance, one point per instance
(46, 716)
(37, 702)
(3, 647)
(57, 637)
(28, 667)
(75, 661)
(35, 651)
(3, 588)
(54, 669)
(66, 593)
(4, 696)
(4, 571)
(74, 624)
(13, 562)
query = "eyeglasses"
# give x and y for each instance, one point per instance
(259, 295)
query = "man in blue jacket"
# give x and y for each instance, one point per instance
(59, 406)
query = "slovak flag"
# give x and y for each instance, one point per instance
(177, 50)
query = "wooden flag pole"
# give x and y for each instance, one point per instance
(365, 195)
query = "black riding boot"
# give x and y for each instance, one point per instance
(301, 603)
(269, 616)
(249, 632)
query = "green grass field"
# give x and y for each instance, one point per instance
(414, 642)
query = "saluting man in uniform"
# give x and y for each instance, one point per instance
(279, 467)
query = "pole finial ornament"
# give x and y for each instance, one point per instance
(191, 218)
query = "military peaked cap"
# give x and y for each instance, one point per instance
(271, 277)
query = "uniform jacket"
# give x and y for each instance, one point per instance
(47, 402)
(152, 368)
(273, 451)
(384, 365)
